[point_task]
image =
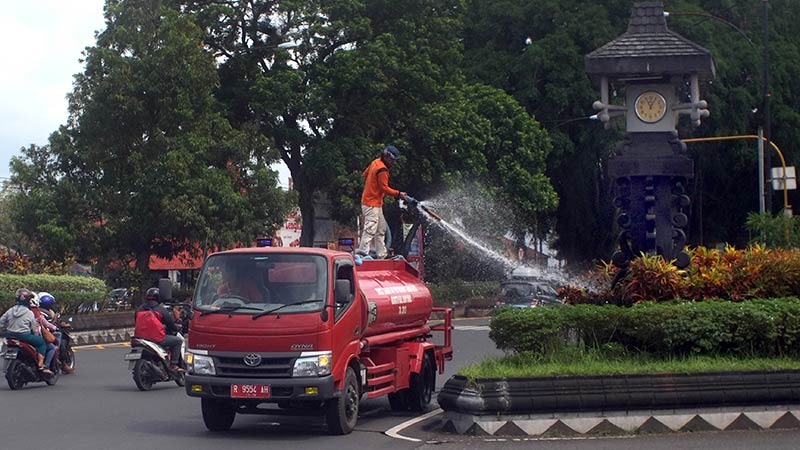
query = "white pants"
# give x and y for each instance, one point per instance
(374, 234)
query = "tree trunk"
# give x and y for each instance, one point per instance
(307, 215)
(143, 266)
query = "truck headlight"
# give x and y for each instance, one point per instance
(200, 365)
(312, 364)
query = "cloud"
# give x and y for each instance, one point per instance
(47, 37)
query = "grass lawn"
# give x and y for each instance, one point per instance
(521, 366)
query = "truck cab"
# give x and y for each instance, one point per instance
(306, 329)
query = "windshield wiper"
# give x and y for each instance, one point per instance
(228, 309)
(264, 313)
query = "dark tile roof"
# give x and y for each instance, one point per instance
(649, 48)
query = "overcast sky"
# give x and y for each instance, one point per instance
(43, 40)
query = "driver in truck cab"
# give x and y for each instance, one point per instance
(236, 281)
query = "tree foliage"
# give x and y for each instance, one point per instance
(147, 163)
(534, 51)
(361, 74)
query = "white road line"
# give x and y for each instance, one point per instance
(394, 431)
(471, 327)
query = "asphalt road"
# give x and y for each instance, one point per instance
(100, 408)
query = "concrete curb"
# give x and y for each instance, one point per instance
(99, 337)
(592, 405)
(624, 422)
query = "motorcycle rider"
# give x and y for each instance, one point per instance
(47, 305)
(20, 323)
(42, 323)
(155, 323)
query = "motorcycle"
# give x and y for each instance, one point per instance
(21, 367)
(149, 364)
(66, 355)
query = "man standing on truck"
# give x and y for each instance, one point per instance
(376, 187)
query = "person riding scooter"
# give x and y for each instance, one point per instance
(47, 305)
(155, 323)
(20, 323)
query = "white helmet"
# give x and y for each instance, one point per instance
(35, 301)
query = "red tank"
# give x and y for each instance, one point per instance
(396, 296)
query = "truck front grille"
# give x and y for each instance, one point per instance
(229, 366)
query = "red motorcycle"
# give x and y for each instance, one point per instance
(21, 367)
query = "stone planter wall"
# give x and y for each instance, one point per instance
(511, 406)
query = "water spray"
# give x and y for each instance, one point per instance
(411, 201)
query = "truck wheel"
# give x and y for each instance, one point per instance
(342, 412)
(217, 415)
(398, 401)
(422, 386)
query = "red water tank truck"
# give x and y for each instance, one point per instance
(308, 330)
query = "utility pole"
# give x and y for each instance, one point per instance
(767, 130)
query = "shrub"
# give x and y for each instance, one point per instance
(459, 293)
(762, 327)
(731, 274)
(68, 290)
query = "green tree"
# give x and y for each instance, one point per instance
(331, 82)
(534, 49)
(149, 162)
(779, 231)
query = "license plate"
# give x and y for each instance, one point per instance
(133, 356)
(249, 391)
(10, 354)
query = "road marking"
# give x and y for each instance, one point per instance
(471, 327)
(101, 346)
(394, 432)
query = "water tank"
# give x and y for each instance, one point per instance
(396, 297)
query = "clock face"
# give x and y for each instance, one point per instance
(650, 107)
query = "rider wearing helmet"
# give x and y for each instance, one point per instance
(155, 323)
(47, 305)
(19, 322)
(376, 187)
(41, 325)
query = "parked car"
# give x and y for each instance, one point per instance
(527, 294)
(119, 300)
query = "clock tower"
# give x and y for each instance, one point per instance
(654, 73)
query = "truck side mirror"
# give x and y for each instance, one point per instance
(341, 292)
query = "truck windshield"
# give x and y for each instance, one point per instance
(252, 283)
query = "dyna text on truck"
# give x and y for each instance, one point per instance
(307, 329)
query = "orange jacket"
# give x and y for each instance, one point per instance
(376, 184)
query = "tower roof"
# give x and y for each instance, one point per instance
(649, 49)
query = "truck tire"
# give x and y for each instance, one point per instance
(398, 400)
(342, 412)
(422, 385)
(217, 415)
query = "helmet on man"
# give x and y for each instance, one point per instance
(392, 152)
(153, 294)
(24, 296)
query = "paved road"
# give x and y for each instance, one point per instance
(100, 408)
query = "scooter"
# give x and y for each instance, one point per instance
(66, 356)
(21, 367)
(149, 364)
